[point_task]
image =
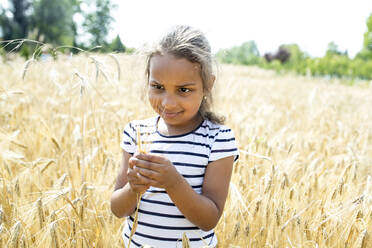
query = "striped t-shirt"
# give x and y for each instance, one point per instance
(160, 223)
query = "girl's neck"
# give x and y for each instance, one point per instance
(170, 130)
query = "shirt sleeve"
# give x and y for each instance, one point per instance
(224, 145)
(129, 143)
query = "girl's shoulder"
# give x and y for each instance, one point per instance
(215, 132)
(222, 142)
(210, 126)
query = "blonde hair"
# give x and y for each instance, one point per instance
(191, 44)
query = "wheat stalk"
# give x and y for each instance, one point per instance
(17, 188)
(53, 234)
(141, 149)
(26, 66)
(185, 241)
(47, 165)
(23, 242)
(1, 215)
(40, 212)
(117, 64)
(15, 235)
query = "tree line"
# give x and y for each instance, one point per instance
(73, 25)
(334, 63)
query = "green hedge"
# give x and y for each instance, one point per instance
(332, 64)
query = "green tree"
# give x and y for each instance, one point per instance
(298, 59)
(97, 22)
(117, 46)
(367, 44)
(14, 20)
(366, 52)
(332, 49)
(296, 54)
(76, 9)
(246, 54)
(53, 20)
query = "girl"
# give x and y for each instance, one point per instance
(184, 179)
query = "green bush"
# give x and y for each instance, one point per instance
(246, 54)
(333, 64)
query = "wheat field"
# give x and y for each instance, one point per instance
(304, 177)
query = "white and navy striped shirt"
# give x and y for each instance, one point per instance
(160, 223)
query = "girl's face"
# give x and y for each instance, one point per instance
(175, 91)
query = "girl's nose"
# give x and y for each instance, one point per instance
(168, 101)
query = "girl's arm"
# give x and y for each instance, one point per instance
(206, 209)
(202, 210)
(128, 185)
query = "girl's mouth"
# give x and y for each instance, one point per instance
(169, 115)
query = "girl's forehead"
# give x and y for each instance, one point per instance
(169, 66)
(170, 61)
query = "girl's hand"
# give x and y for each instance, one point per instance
(158, 170)
(137, 182)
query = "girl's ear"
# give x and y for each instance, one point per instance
(209, 86)
(213, 79)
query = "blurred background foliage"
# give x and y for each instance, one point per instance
(71, 25)
(334, 63)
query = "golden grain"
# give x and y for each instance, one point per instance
(116, 63)
(307, 231)
(16, 188)
(23, 241)
(81, 212)
(51, 161)
(277, 217)
(257, 208)
(55, 142)
(53, 234)
(2, 216)
(294, 152)
(26, 66)
(236, 229)
(40, 212)
(185, 241)
(15, 231)
(363, 237)
(291, 192)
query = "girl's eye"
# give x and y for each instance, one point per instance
(184, 90)
(156, 86)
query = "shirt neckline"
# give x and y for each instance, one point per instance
(178, 135)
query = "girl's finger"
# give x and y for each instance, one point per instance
(144, 179)
(155, 158)
(151, 174)
(133, 177)
(131, 162)
(139, 188)
(131, 173)
(146, 164)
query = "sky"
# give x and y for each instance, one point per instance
(270, 23)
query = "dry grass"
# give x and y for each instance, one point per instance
(303, 179)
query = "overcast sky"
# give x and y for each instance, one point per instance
(270, 23)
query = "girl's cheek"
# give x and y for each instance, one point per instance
(154, 101)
